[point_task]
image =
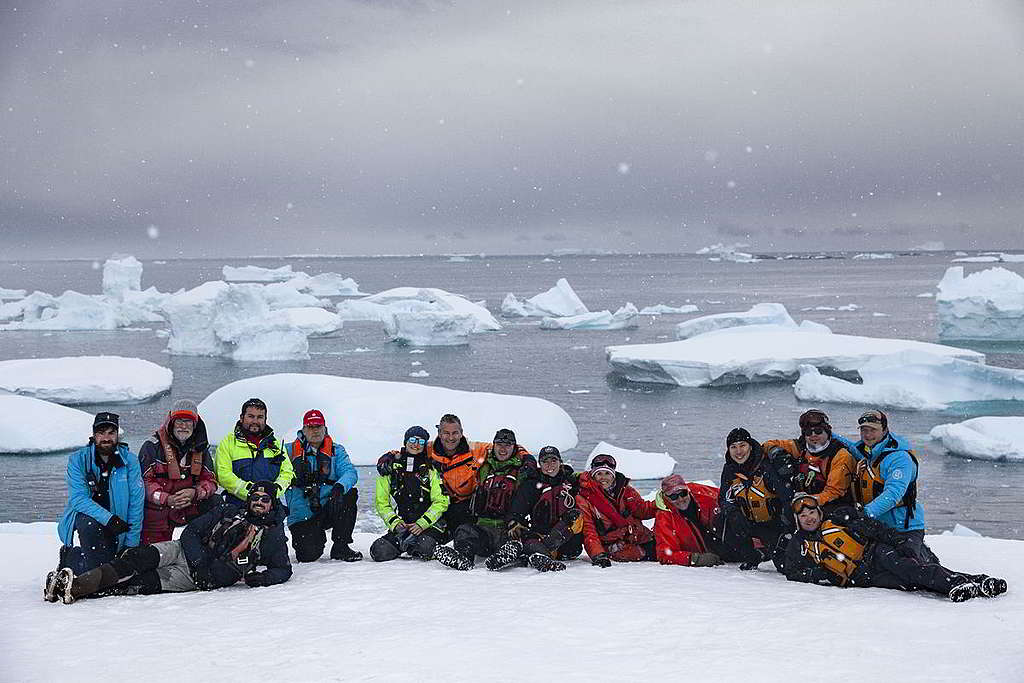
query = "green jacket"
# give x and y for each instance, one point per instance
(238, 462)
(422, 493)
(482, 494)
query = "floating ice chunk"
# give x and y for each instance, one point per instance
(419, 299)
(359, 309)
(429, 328)
(191, 315)
(622, 319)
(662, 309)
(931, 245)
(925, 295)
(85, 379)
(369, 417)
(312, 321)
(257, 274)
(286, 295)
(419, 373)
(121, 274)
(723, 252)
(759, 354)
(873, 256)
(28, 309)
(325, 284)
(961, 530)
(984, 438)
(987, 305)
(759, 314)
(72, 311)
(29, 425)
(636, 464)
(272, 342)
(12, 293)
(579, 391)
(511, 307)
(977, 259)
(558, 302)
(815, 387)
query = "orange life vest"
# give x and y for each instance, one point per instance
(758, 503)
(837, 551)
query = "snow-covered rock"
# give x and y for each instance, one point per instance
(429, 328)
(914, 381)
(369, 417)
(311, 321)
(382, 305)
(635, 464)
(987, 305)
(759, 314)
(257, 274)
(662, 309)
(85, 379)
(121, 274)
(623, 319)
(984, 438)
(759, 353)
(30, 425)
(558, 302)
(12, 293)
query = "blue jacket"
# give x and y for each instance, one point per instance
(342, 471)
(127, 495)
(898, 471)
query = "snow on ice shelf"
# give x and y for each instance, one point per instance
(29, 425)
(257, 274)
(987, 305)
(984, 438)
(85, 379)
(636, 464)
(759, 354)
(369, 417)
(623, 319)
(759, 314)
(639, 601)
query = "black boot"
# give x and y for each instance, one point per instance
(450, 557)
(341, 551)
(505, 556)
(989, 586)
(543, 563)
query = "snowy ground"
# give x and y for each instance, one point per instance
(411, 621)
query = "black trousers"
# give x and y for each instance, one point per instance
(560, 542)
(889, 567)
(478, 540)
(457, 514)
(735, 534)
(309, 537)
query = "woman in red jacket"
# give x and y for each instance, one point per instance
(683, 525)
(612, 510)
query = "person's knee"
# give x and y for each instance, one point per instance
(383, 550)
(425, 546)
(137, 560)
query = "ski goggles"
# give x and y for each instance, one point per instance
(870, 417)
(805, 503)
(414, 440)
(679, 495)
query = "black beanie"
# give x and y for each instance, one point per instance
(737, 434)
(417, 431)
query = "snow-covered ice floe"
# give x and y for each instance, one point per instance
(12, 293)
(75, 380)
(987, 305)
(984, 438)
(914, 381)
(730, 252)
(381, 306)
(623, 319)
(312, 321)
(991, 257)
(325, 284)
(759, 314)
(639, 600)
(30, 425)
(369, 417)
(257, 274)
(662, 309)
(429, 328)
(759, 353)
(872, 256)
(558, 302)
(635, 464)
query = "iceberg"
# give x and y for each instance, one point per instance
(759, 314)
(873, 256)
(635, 464)
(985, 438)
(272, 342)
(987, 305)
(369, 417)
(71, 311)
(326, 284)
(257, 274)
(380, 306)
(622, 319)
(311, 321)
(121, 274)
(558, 302)
(12, 293)
(429, 328)
(286, 295)
(662, 309)
(74, 380)
(31, 425)
(722, 252)
(759, 353)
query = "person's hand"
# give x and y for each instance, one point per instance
(385, 464)
(246, 543)
(415, 529)
(704, 560)
(601, 560)
(256, 579)
(117, 526)
(515, 530)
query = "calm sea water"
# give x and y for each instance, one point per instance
(522, 359)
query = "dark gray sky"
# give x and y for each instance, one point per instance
(255, 128)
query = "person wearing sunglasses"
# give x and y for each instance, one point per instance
(410, 500)
(683, 526)
(863, 552)
(323, 494)
(813, 463)
(217, 549)
(612, 513)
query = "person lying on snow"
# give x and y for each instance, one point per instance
(216, 550)
(858, 551)
(612, 510)
(683, 529)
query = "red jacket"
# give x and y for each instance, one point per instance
(676, 535)
(611, 520)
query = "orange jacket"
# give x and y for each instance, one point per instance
(612, 524)
(676, 535)
(836, 469)
(459, 471)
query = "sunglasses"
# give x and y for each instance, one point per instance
(678, 495)
(413, 440)
(260, 498)
(814, 431)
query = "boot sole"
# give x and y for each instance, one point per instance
(452, 558)
(993, 587)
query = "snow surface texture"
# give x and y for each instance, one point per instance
(85, 379)
(369, 417)
(623, 319)
(987, 305)
(665, 619)
(984, 438)
(29, 425)
(558, 302)
(662, 309)
(636, 464)
(257, 274)
(759, 314)
(429, 328)
(381, 306)
(759, 353)
(722, 252)
(914, 381)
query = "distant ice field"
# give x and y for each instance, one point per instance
(690, 424)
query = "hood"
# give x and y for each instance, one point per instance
(197, 442)
(621, 481)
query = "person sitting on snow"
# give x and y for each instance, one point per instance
(683, 527)
(410, 500)
(216, 550)
(612, 510)
(178, 473)
(863, 552)
(323, 494)
(250, 454)
(105, 499)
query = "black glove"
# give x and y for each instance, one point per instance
(335, 502)
(384, 464)
(783, 462)
(256, 580)
(117, 526)
(203, 578)
(601, 560)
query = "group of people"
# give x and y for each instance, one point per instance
(824, 509)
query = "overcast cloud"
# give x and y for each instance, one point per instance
(376, 127)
